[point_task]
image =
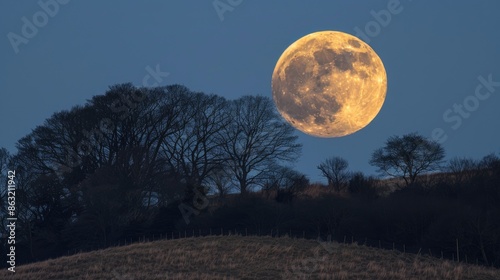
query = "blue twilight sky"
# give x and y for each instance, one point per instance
(433, 51)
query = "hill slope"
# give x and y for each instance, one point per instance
(237, 257)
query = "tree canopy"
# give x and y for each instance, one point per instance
(407, 157)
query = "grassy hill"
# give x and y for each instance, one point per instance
(237, 257)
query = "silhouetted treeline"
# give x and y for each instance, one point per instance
(113, 167)
(429, 216)
(140, 162)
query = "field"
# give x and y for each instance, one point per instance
(251, 257)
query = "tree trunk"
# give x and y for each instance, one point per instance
(243, 186)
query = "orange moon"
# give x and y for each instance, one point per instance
(329, 84)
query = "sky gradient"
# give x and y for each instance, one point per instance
(434, 52)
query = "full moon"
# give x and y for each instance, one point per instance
(329, 84)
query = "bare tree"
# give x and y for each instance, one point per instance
(407, 157)
(220, 181)
(286, 183)
(4, 159)
(462, 169)
(334, 169)
(194, 150)
(490, 162)
(125, 128)
(256, 140)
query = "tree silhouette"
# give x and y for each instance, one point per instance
(462, 169)
(256, 140)
(286, 183)
(407, 157)
(334, 169)
(220, 181)
(490, 162)
(194, 151)
(119, 166)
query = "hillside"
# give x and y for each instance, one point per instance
(237, 257)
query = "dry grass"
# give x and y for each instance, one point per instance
(237, 257)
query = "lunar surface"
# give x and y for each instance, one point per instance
(329, 84)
